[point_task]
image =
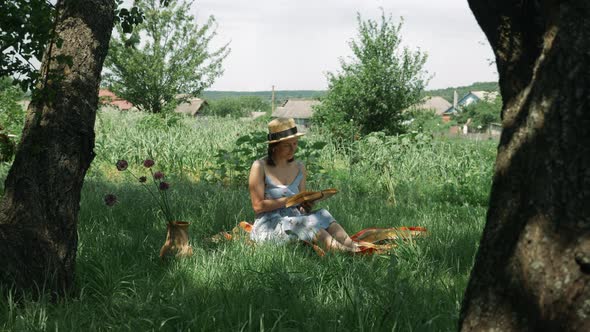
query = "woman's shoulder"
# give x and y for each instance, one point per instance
(300, 164)
(259, 162)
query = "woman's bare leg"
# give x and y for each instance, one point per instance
(338, 233)
(331, 244)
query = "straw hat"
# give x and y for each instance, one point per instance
(281, 129)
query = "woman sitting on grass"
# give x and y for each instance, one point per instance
(275, 178)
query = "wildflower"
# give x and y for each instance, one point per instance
(160, 196)
(122, 165)
(110, 199)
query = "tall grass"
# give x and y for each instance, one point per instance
(123, 286)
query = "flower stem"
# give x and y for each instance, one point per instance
(159, 202)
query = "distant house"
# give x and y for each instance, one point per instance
(255, 115)
(475, 96)
(495, 129)
(300, 110)
(437, 104)
(192, 106)
(107, 97)
(470, 98)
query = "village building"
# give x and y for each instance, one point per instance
(470, 98)
(192, 107)
(301, 110)
(436, 104)
(495, 129)
(107, 97)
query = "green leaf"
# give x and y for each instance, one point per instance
(319, 145)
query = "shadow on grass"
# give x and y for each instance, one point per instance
(123, 285)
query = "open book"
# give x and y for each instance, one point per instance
(310, 196)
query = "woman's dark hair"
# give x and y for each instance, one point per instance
(269, 160)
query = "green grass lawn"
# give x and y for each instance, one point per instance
(123, 285)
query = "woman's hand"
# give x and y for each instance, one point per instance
(307, 206)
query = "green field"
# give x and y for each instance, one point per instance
(440, 183)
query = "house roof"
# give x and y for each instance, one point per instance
(106, 93)
(122, 104)
(296, 108)
(191, 106)
(436, 103)
(484, 95)
(108, 97)
(450, 110)
(480, 95)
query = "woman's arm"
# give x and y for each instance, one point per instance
(256, 186)
(302, 183)
(306, 206)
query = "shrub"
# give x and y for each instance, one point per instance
(481, 113)
(237, 106)
(373, 88)
(232, 167)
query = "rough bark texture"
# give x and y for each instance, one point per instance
(532, 270)
(39, 211)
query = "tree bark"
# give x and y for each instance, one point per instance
(532, 269)
(39, 211)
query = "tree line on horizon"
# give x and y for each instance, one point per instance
(281, 95)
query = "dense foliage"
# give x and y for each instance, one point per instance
(12, 117)
(426, 121)
(28, 26)
(481, 113)
(372, 89)
(240, 106)
(25, 29)
(232, 166)
(167, 55)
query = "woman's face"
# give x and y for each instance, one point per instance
(286, 149)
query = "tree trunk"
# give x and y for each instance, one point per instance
(532, 270)
(39, 211)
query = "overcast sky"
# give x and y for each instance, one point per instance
(293, 43)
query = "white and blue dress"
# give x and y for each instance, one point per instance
(287, 224)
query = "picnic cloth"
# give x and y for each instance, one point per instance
(372, 240)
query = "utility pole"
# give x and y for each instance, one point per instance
(272, 100)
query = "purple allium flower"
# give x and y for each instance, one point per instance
(164, 186)
(148, 163)
(110, 199)
(142, 179)
(122, 165)
(158, 175)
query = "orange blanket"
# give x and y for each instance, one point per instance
(371, 240)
